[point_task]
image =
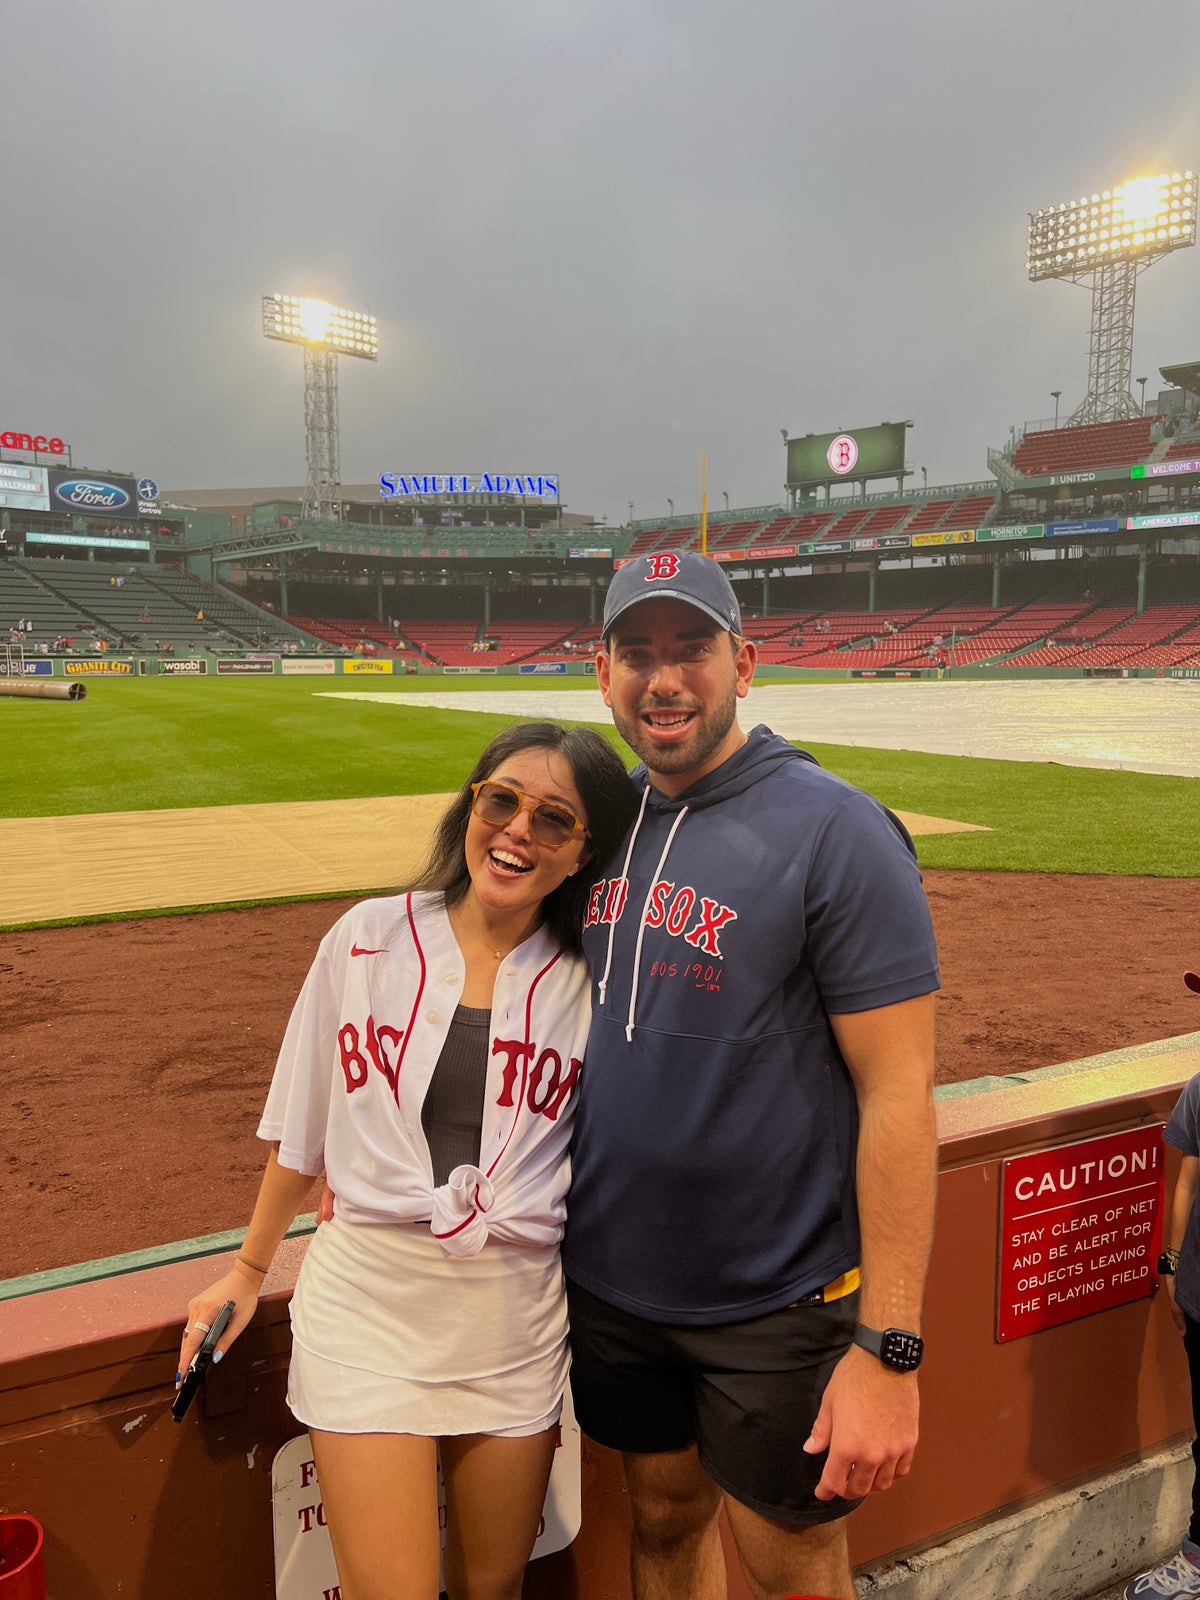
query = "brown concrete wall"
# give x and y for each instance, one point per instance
(137, 1507)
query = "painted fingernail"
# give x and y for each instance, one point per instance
(178, 1379)
(217, 1354)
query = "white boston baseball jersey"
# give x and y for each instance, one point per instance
(364, 1037)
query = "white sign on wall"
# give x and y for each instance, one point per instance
(304, 1565)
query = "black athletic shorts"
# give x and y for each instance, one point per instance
(745, 1393)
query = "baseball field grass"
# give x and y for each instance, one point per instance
(162, 743)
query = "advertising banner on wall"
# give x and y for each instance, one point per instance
(1080, 1230)
(1012, 530)
(1066, 530)
(1165, 519)
(886, 541)
(951, 536)
(24, 488)
(98, 669)
(530, 669)
(366, 666)
(95, 541)
(306, 669)
(189, 667)
(768, 552)
(1165, 469)
(91, 494)
(242, 669)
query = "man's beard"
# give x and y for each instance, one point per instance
(706, 735)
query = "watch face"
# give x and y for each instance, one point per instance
(901, 1351)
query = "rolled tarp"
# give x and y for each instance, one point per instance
(43, 689)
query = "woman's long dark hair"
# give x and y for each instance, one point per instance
(609, 801)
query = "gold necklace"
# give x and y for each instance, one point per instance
(486, 944)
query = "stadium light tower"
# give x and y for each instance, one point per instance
(1108, 238)
(324, 332)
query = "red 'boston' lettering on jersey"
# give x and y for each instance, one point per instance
(377, 1043)
(667, 907)
(355, 1066)
(516, 1050)
(548, 1084)
(546, 1095)
(354, 1063)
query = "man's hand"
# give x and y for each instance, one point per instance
(1176, 1313)
(868, 1421)
(325, 1205)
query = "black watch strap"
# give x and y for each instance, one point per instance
(897, 1348)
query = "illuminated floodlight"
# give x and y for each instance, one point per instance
(1134, 221)
(296, 319)
(1107, 238)
(324, 332)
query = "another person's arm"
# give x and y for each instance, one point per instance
(1182, 1203)
(869, 1415)
(280, 1197)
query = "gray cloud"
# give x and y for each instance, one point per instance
(598, 237)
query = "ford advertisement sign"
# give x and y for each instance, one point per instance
(92, 495)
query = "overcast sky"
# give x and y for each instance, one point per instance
(599, 235)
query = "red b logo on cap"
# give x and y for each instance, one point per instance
(664, 566)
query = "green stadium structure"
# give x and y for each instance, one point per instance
(1080, 552)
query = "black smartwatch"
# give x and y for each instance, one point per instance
(1168, 1264)
(896, 1348)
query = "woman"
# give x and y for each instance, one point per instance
(429, 1069)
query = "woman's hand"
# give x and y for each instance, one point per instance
(241, 1285)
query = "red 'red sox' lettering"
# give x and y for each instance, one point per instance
(614, 901)
(667, 907)
(712, 919)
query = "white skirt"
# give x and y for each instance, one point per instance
(391, 1335)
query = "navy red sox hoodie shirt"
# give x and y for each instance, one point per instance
(713, 1156)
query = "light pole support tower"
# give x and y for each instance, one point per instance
(1106, 239)
(1110, 356)
(322, 449)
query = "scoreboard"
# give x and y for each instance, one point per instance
(846, 456)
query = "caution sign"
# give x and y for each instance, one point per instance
(1080, 1230)
(304, 1564)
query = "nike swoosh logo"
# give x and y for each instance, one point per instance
(356, 951)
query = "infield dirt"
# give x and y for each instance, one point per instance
(135, 1055)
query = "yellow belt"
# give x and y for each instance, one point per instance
(840, 1287)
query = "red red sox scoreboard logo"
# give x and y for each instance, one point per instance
(842, 454)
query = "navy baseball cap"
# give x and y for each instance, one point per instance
(673, 575)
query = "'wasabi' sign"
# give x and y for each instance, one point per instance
(398, 485)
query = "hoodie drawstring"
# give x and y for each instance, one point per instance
(637, 954)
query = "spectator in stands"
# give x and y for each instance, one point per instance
(1179, 1271)
(432, 1306)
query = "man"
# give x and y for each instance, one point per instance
(755, 1121)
